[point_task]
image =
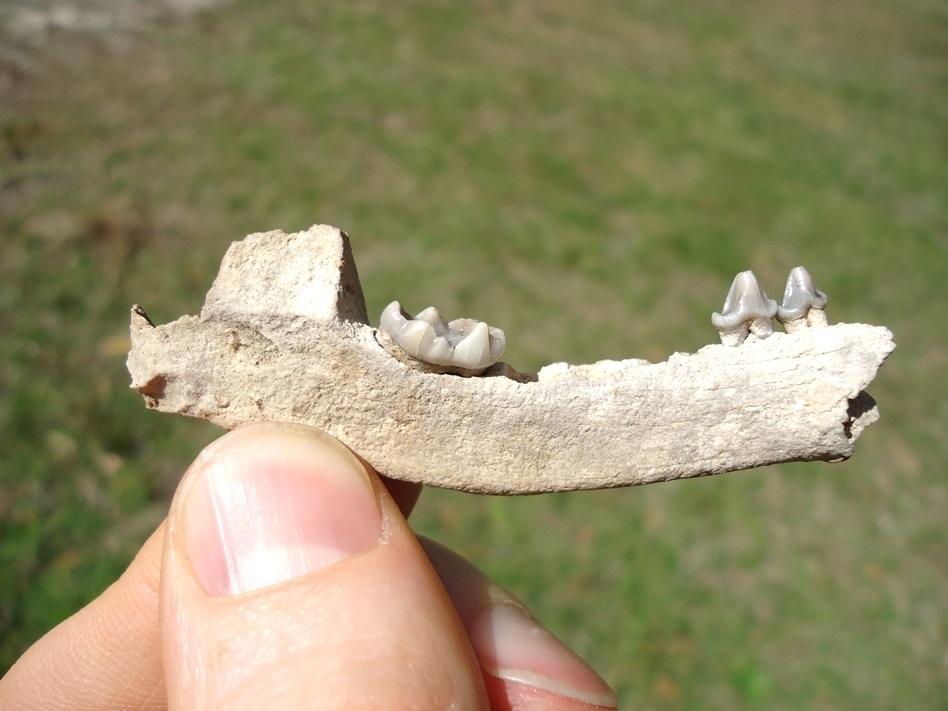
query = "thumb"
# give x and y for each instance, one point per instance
(291, 580)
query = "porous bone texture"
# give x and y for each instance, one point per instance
(284, 336)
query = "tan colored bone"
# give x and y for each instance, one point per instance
(284, 335)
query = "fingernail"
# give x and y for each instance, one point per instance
(269, 503)
(513, 647)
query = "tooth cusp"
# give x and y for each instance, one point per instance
(474, 348)
(803, 303)
(463, 346)
(430, 315)
(418, 335)
(747, 309)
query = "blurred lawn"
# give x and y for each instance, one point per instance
(588, 176)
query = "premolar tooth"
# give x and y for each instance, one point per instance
(463, 346)
(803, 303)
(474, 349)
(746, 309)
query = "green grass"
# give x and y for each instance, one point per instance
(588, 176)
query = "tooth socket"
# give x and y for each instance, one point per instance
(814, 318)
(762, 327)
(734, 336)
(795, 324)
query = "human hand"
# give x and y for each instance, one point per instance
(286, 576)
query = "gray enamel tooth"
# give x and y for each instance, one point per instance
(463, 346)
(474, 349)
(803, 303)
(746, 309)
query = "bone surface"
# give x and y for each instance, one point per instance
(284, 335)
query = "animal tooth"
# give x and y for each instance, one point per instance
(463, 346)
(417, 336)
(393, 318)
(498, 342)
(439, 353)
(746, 309)
(803, 303)
(431, 315)
(474, 349)
(294, 303)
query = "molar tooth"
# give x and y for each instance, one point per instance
(463, 346)
(498, 343)
(474, 349)
(803, 303)
(416, 336)
(430, 315)
(439, 352)
(393, 318)
(746, 309)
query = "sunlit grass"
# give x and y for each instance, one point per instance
(587, 176)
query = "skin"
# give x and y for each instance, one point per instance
(237, 603)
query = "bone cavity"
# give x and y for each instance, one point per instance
(746, 309)
(464, 346)
(803, 303)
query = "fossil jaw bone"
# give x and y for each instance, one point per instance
(463, 346)
(283, 336)
(803, 303)
(746, 309)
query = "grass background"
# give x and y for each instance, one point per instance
(589, 177)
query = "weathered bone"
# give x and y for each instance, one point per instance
(284, 335)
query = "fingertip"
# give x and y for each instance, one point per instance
(290, 574)
(533, 664)
(507, 695)
(271, 502)
(526, 667)
(405, 493)
(107, 655)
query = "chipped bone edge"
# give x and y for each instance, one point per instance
(294, 353)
